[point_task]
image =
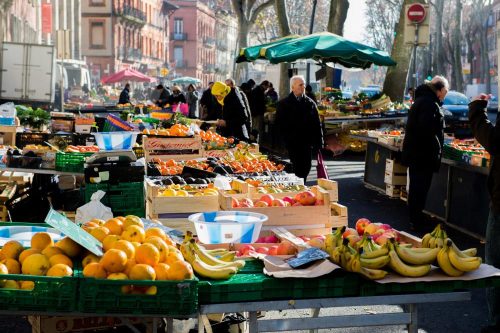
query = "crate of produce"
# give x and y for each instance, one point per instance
(172, 298)
(339, 215)
(122, 198)
(23, 139)
(331, 187)
(71, 162)
(300, 220)
(176, 148)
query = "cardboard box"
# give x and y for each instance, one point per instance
(391, 166)
(395, 178)
(393, 191)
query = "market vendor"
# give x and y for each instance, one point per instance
(125, 95)
(163, 96)
(234, 114)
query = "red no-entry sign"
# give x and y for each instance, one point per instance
(416, 13)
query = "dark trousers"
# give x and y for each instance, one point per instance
(492, 254)
(300, 157)
(420, 182)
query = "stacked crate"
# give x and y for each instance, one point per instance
(395, 178)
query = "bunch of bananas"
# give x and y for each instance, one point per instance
(242, 155)
(454, 262)
(206, 264)
(332, 242)
(415, 263)
(435, 238)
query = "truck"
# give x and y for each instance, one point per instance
(27, 72)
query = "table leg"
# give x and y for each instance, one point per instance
(170, 324)
(413, 325)
(252, 322)
(315, 314)
(201, 325)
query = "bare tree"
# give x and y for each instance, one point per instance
(281, 13)
(458, 80)
(336, 20)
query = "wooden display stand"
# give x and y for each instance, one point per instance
(172, 148)
(9, 135)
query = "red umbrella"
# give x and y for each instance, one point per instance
(126, 75)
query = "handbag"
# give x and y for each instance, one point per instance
(321, 167)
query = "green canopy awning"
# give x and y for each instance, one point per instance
(186, 80)
(253, 53)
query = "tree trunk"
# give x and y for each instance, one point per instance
(457, 59)
(242, 67)
(439, 60)
(401, 53)
(336, 20)
(280, 8)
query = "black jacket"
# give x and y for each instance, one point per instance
(124, 97)
(424, 134)
(257, 101)
(234, 114)
(176, 99)
(163, 98)
(211, 109)
(299, 122)
(488, 135)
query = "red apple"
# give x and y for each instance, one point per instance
(319, 203)
(307, 198)
(383, 238)
(349, 231)
(317, 243)
(246, 203)
(297, 204)
(261, 204)
(278, 203)
(286, 248)
(263, 250)
(261, 240)
(234, 203)
(371, 228)
(273, 250)
(361, 224)
(245, 249)
(271, 239)
(289, 200)
(267, 198)
(353, 239)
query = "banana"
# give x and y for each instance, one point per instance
(425, 240)
(432, 242)
(410, 256)
(335, 255)
(467, 264)
(445, 264)
(210, 260)
(375, 263)
(216, 252)
(228, 257)
(403, 269)
(355, 263)
(373, 274)
(212, 272)
(469, 252)
(370, 254)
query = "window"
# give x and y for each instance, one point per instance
(97, 35)
(96, 3)
(178, 26)
(178, 56)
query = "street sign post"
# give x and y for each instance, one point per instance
(416, 13)
(416, 30)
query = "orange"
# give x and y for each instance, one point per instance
(180, 270)
(88, 229)
(114, 261)
(147, 254)
(161, 271)
(134, 233)
(159, 244)
(117, 276)
(69, 247)
(155, 231)
(126, 247)
(27, 285)
(35, 264)
(136, 244)
(11, 284)
(173, 256)
(41, 240)
(152, 290)
(60, 270)
(132, 220)
(121, 218)
(12, 249)
(90, 224)
(100, 233)
(26, 253)
(130, 263)
(60, 259)
(169, 241)
(99, 222)
(13, 266)
(108, 242)
(94, 270)
(89, 258)
(142, 272)
(49, 251)
(115, 226)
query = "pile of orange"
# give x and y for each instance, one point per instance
(133, 253)
(254, 165)
(173, 167)
(213, 140)
(43, 258)
(175, 130)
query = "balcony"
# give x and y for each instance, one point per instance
(209, 41)
(178, 36)
(132, 14)
(209, 68)
(133, 55)
(179, 64)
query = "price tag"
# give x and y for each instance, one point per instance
(73, 231)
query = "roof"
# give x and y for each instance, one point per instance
(168, 7)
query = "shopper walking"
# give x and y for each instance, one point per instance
(192, 98)
(488, 136)
(234, 114)
(422, 145)
(125, 95)
(177, 96)
(299, 124)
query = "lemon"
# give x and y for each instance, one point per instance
(169, 193)
(182, 193)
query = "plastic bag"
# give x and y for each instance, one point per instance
(94, 209)
(8, 114)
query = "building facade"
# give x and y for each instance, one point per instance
(19, 23)
(122, 34)
(226, 44)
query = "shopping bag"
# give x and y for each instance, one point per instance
(321, 167)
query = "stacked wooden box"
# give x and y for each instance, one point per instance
(395, 178)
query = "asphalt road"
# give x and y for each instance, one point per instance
(456, 317)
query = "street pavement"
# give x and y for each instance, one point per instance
(347, 170)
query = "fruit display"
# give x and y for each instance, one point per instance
(81, 149)
(133, 253)
(305, 198)
(177, 130)
(278, 188)
(467, 151)
(187, 191)
(215, 141)
(207, 265)
(178, 180)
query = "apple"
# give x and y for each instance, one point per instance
(305, 238)
(307, 198)
(278, 203)
(286, 248)
(245, 249)
(361, 224)
(349, 231)
(319, 203)
(273, 250)
(246, 203)
(263, 250)
(371, 228)
(234, 203)
(383, 238)
(261, 240)
(271, 239)
(353, 239)
(261, 204)
(267, 198)
(297, 204)
(317, 243)
(289, 200)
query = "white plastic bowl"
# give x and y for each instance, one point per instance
(115, 140)
(228, 226)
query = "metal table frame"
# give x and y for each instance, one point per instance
(408, 317)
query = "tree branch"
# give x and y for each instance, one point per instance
(259, 9)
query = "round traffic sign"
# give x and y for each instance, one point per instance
(416, 13)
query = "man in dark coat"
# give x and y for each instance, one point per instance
(162, 96)
(234, 114)
(125, 95)
(488, 136)
(210, 109)
(232, 85)
(298, 120)
(423, 143)
(258, 106)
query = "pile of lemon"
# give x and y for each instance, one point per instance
(190, 191)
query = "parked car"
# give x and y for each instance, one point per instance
(456, 109)
(493, 104)
(370, 90)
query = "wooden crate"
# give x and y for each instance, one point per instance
(391, 166)
(176, 148)
(393, 191)
(403, 195)
(331, 187)
(19, 177)
(409, 238)
(395, 178)
(216, 152)
(339, 215)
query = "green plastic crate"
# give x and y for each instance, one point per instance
(173, 298)
(123, 199)
(71, 162)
